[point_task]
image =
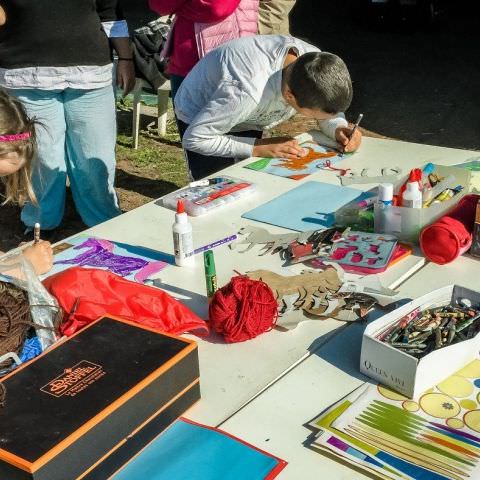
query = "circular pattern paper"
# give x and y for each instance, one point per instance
(439, 405)
(472, 420)
(472, 370)
(390, 394)
(456, 386)
(468, 404)
(410, 406)
(455, 423)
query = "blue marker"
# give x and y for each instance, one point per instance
(428, 169)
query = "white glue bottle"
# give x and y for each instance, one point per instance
(412, 196)
(385, 193)
(182, 238)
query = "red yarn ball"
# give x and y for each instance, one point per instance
(243, 309)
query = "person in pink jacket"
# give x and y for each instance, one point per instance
(200, 26)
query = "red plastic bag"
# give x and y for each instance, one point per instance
(86, 294)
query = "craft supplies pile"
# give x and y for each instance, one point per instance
(338, 254)
(310, 251)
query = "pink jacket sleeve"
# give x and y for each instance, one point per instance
(203, 11)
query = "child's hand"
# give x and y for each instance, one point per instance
(342, 135)
(40, 256)
(280, 147)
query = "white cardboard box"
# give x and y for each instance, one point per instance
(404, 373)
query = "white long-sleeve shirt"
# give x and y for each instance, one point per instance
(236, 87)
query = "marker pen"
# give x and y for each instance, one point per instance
(36, 233)
(210, 273)
(367, 202)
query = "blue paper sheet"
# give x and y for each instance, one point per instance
(310, 206)
(189, 451)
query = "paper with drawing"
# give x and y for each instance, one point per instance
(128, 261)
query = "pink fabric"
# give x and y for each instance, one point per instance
(188, 12)
(241, 23)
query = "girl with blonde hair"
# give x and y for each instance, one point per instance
(17, 153)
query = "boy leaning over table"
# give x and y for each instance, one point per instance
(255, 83)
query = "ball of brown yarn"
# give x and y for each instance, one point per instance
(15, 319)
(243, 309)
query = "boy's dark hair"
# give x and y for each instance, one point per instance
(320, 80)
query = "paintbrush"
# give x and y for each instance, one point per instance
(355, 126)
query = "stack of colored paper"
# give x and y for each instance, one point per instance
(434, 437)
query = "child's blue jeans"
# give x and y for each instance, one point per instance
(76, 137)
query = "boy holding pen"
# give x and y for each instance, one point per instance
(255, 83)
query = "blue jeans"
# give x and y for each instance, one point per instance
(200, 165)
(76, 137)
(175, 82)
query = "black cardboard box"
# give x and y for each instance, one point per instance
(86, 406)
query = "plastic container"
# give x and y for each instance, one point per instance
(200, 200)
(182, 238)
(451, 235)
(357, 219)
(407, 223)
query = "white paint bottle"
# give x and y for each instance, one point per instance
(182, 238)
(412, 196)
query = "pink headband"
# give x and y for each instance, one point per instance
(15, 137)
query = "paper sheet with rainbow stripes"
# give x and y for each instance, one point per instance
(434, 437)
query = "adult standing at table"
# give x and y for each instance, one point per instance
(200, 26)
(56, 57)
(273, 17)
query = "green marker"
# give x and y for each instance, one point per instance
(210, 273)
